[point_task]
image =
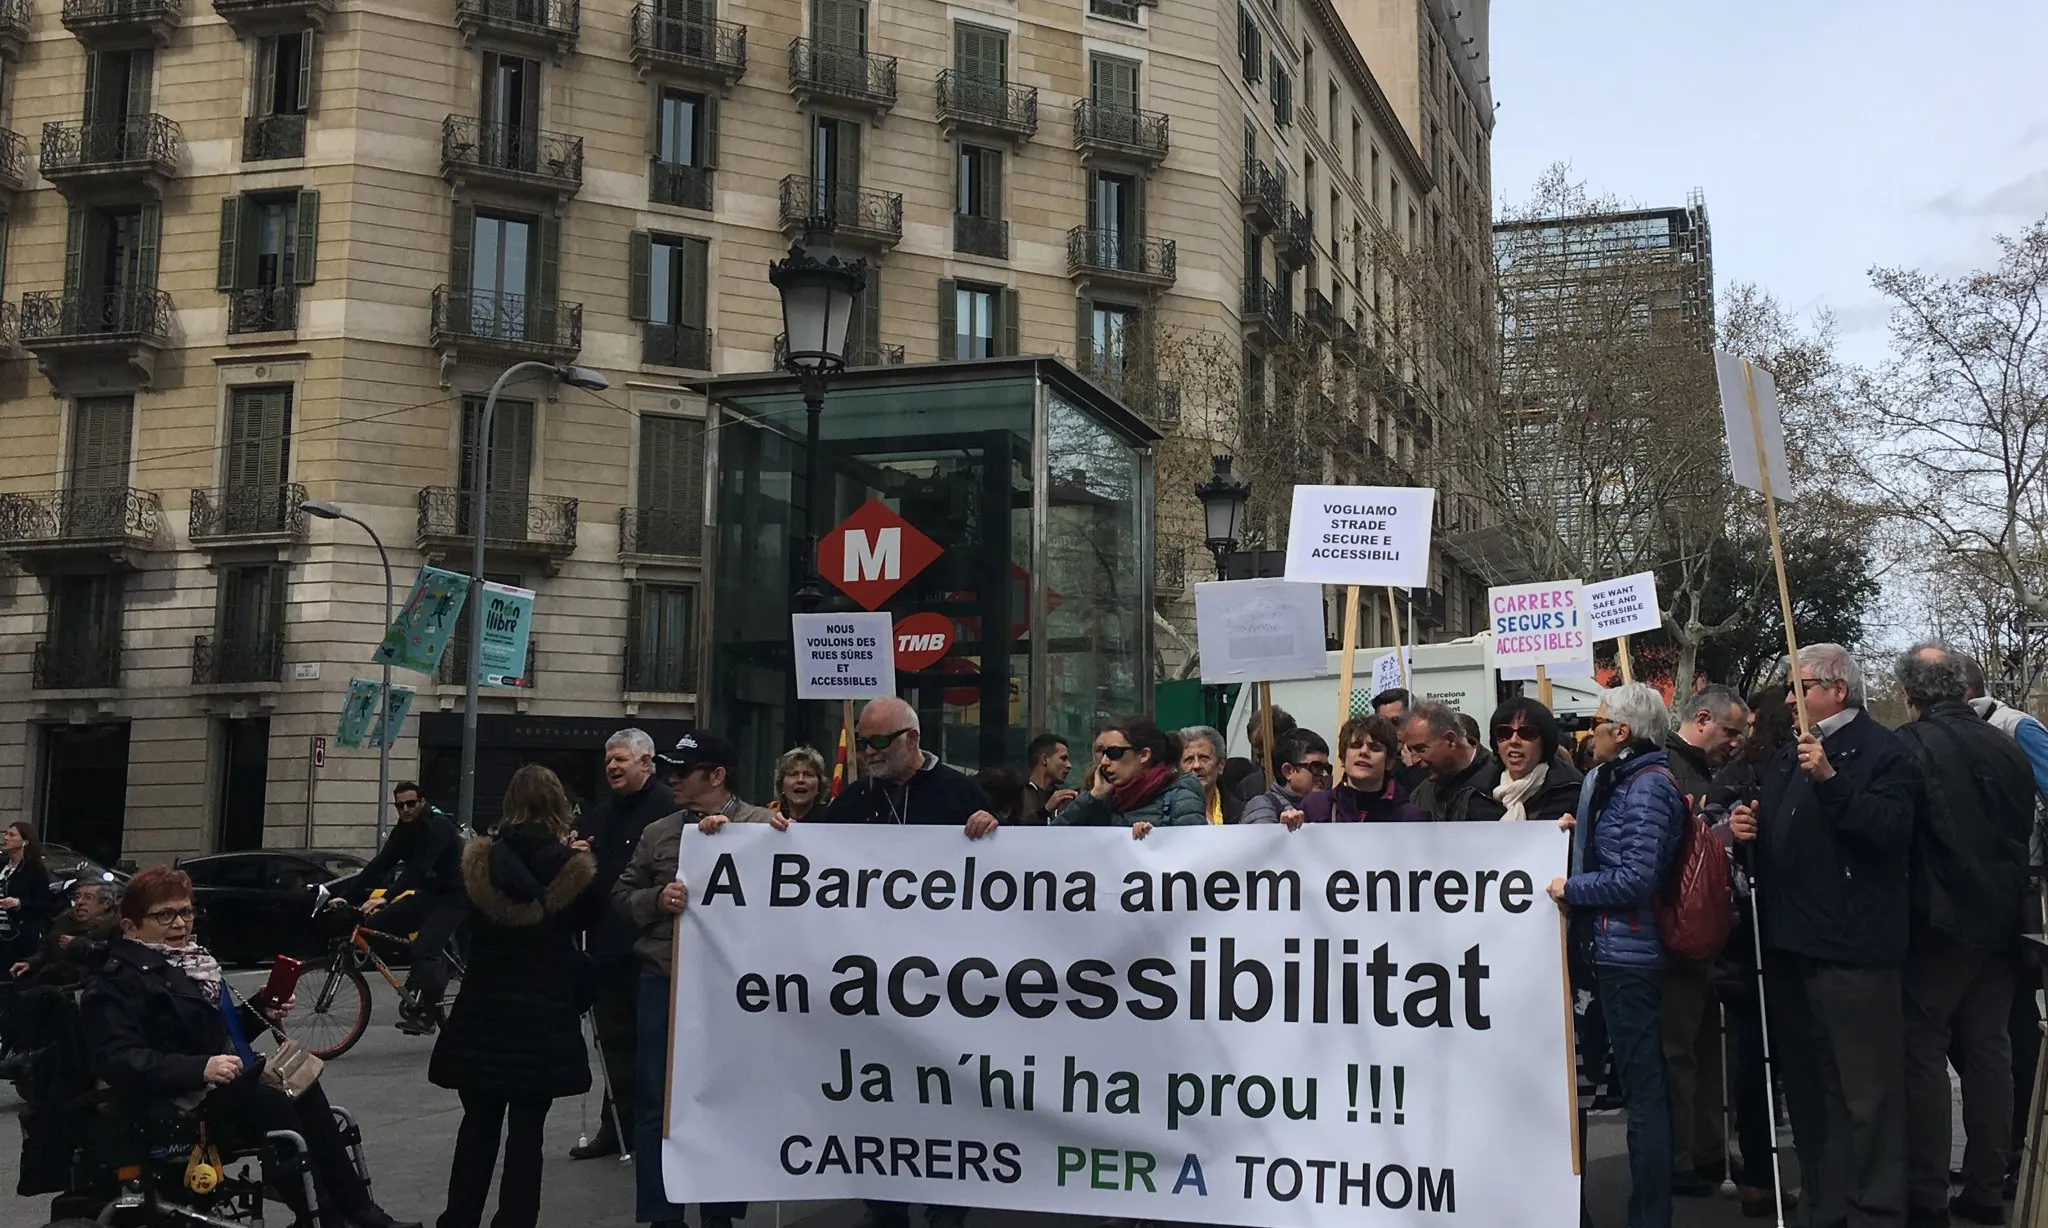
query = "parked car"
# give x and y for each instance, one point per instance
(258, 904)
(66, 866)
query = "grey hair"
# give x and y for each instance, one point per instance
(795, 755)
(1713, 701)
(1206, 734)
(1639, 706)
(635, 740)
(1833, 663)
(890, 703)
(1930, 674)
(1442, 718)
(1973, 673)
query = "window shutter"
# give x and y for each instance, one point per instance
(1007, 337)
(656, 119)
(979, 53)
(230, 266)
(3, 249)
(636, 652)
(149, 234)
(306, 250)
(511, 447)
(1094, 200)
(949, 320)
(265, 87)
(707, 152)
(639, 274)
(991, 183)
(140, 64)
(696, 255)
(529, 99)
(461, 238)
(1084, 331)
(309, 60)
(99, 443)
(74, 249)
(274, 588)
(1138, 230)
(92, 85)
(547, 285)
(867, 310)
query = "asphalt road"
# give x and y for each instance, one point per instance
(410, 1130)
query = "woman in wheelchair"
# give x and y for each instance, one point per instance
(156, 1030)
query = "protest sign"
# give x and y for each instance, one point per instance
(1259, 630)
(385, 732)
(1366, 1028)
(1627, 606)
(508, 622)
(1539, 624)
(1390, 669)
(1742, 419)
(424, 625)
(357, 711)
(844, 656)
(1367, 535)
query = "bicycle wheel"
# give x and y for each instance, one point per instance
(329, 1023)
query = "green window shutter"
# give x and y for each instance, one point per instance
(306, 243)
(840, 25)
(511, 445)
(991, 183)
(309, 59)
(1138, 230)
(529, 102)
(74, 248)
(547, 283)
(141, 68)
(1084, 330)
(258, 438)
(979, 53)
(230, 265)
(149, 236)
(639, 275)
(707, 151)
(461, 239)
(636, 653)
(266, 74)
(100, 430)
(867, 309)
(1094, 199)
(3, 249)
(1007, 336)
(274, 608)
(92, 85)
(949, 321)
(696, 255)
(1113, 82)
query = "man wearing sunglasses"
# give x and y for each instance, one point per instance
(1302, 760)
(903, 783)
(422, 855)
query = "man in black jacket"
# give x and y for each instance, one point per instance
(423, 855)
(1969, 876)
(1461, 775)
(904, 784)
(1833, 834)
(613, 828)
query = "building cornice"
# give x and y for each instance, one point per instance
(1376, 99)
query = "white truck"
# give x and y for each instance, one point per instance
(1460, 673)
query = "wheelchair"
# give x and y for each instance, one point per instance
(118, 1165)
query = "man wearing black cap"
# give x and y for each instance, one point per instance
(648, 895)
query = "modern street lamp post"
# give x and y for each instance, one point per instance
(329, 511)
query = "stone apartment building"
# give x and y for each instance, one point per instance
(258, 251)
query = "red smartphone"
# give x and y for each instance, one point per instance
(284, 977)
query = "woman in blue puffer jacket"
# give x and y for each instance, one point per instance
(1620, 859)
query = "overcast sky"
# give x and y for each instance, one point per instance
(1828, 135)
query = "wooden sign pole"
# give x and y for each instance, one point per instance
(1763, 470)
(1571, 1041)
(1266, 728)
(1394, 622)
(1543, 686)
(1345, 663)
(1628, 673)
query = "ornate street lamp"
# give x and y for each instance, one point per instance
(1223, 497)
(818, 290)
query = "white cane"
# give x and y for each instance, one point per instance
(1763, 1017)
(1727, 1129)
(604, 1074)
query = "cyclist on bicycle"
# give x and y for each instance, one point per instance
(422, 855)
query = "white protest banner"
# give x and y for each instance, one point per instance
(1259, 630)
(1350, 1024)
(1387, 671)
(1627, 606)
(1366, 535)
(1740, 425)
(1539, 624)
(844, 656)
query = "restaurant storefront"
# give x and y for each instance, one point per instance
(1036, 490)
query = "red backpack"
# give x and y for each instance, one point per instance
(1696, 908)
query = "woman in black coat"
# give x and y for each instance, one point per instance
(513, 1043)
(25, 901)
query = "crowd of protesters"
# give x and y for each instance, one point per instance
(1884, 880)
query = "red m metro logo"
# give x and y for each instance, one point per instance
(873, 553)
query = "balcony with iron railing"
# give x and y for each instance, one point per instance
(510, 156)
(819, 72)
(263, 309)
(235, 515)
(858, 353)
(92, 329)
(115, 23)
(1114, 257)
(1118, 132)
(981, 236)
(701, 51)
(857, 215)
(10, 329)
(974, 104)
(1321, 314)
(266, 138)
(1295, 242)
(77, 663)
(257, 18)
(1263, 199)
(113, 522)
(661, 532)
(547, 26)
(671, 183)
(676, 345)
(13, 163)
(15, 22)
(454, 667)
(519, 525)
(238, 658)
(1170, 570)
(1262, 309)
(519, 326)
(1350, 346)
(137, 153)
(660, 673)
(1136, 383)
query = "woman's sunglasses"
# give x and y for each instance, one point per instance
(1515, 733)
(1114, 752)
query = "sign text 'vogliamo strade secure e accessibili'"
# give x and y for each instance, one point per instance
(1341, 1025)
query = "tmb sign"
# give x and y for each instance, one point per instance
(873, 553)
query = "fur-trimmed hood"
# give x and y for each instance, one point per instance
(519, 879)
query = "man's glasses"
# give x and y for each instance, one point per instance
(1515, 733)
(168, 916)
(1313, 769)
(1114, 753)
(880, 741)
(1807, 684)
